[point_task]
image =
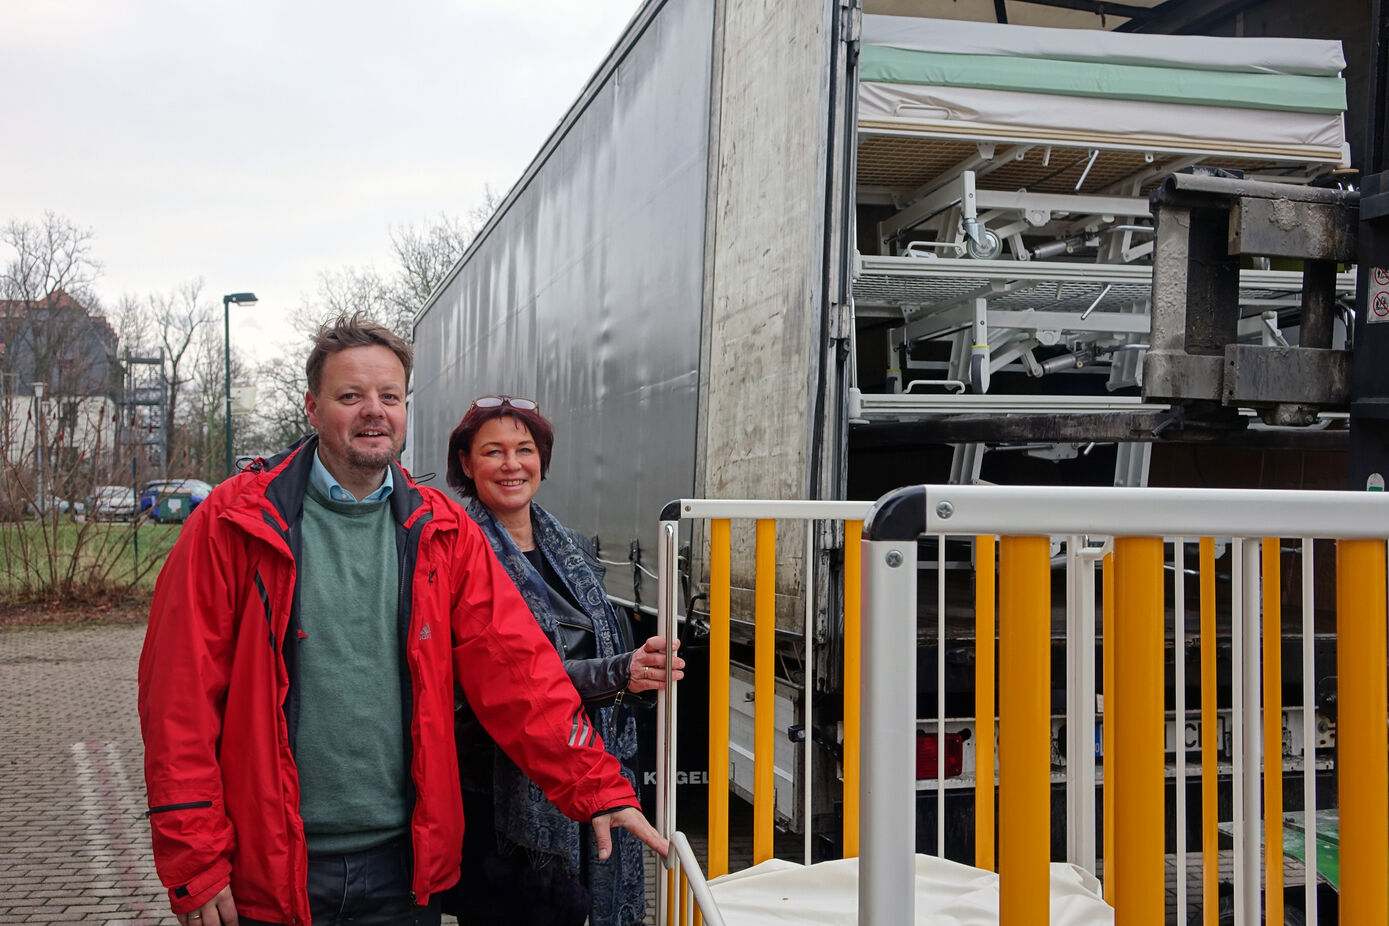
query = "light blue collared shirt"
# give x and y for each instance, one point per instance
(325, 483)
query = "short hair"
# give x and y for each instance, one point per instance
(355, 330)
(461, 440)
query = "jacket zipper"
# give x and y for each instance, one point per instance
(405, 613)
(190, 805)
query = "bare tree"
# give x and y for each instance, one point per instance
(49, 255)
(134, 327)
(52, 333)
(68, 438)
(203, 421)
(279, 419)
(180, 318)
(46, 288)
(423, 257)
(342, 292)
(180, 327)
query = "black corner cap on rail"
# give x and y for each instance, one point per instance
(671, 512)
(898, 515)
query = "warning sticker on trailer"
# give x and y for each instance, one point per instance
(1379, 296)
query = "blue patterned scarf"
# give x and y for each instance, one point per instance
(526, 820)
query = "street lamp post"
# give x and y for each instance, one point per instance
(239, 299)
(38, 449)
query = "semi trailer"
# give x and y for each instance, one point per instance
(810, 250)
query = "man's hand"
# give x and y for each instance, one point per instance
(631, 820)
(219, 911)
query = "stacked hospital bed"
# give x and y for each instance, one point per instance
(1004, 172)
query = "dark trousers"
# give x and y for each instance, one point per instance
(504, 890)
(367, 888)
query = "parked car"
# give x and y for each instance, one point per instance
(112, 503)
(56, 504)
(195, 489)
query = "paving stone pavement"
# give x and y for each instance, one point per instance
(74, 842)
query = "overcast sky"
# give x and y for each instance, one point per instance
(259, 143)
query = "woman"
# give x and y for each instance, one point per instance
(524, 861)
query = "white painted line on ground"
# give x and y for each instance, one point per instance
(109, 818)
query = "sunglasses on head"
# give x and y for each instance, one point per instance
(497, 401)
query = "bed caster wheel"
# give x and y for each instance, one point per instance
(979, 373)
(988, 247)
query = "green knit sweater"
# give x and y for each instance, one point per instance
(350, 745)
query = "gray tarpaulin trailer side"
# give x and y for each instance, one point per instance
(666, 278)
(584, 289)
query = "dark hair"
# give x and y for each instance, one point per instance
(461, 440)
(353, 331)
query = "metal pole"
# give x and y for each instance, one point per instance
(940, 696)
(1379, 74)
(226, 342)
(1237, 748)
(1075, 694)
(764, 694)
(135, 533)
(808, 570)
(1210, 856)
(1309, 732)
(1273, 730)
(985, 710)
(698, 886)
(887, 884)
(1080, 755)
(853, 663)
(670, 602)
(1362, 776)
(1249, 835)
(667, 580)
(720, 585)
(1024, 729)
(38, 447)
(1179, 692)
(1369, 433)
(1107, 732)
(1137, 715)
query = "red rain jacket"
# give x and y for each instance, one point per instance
(218, 703)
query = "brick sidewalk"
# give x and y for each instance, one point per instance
(74, 844)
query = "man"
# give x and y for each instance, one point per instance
(297, 680)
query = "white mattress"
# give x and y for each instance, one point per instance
(947, 894)
(1316, 57)
(1203, 128)
(1014, 112)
